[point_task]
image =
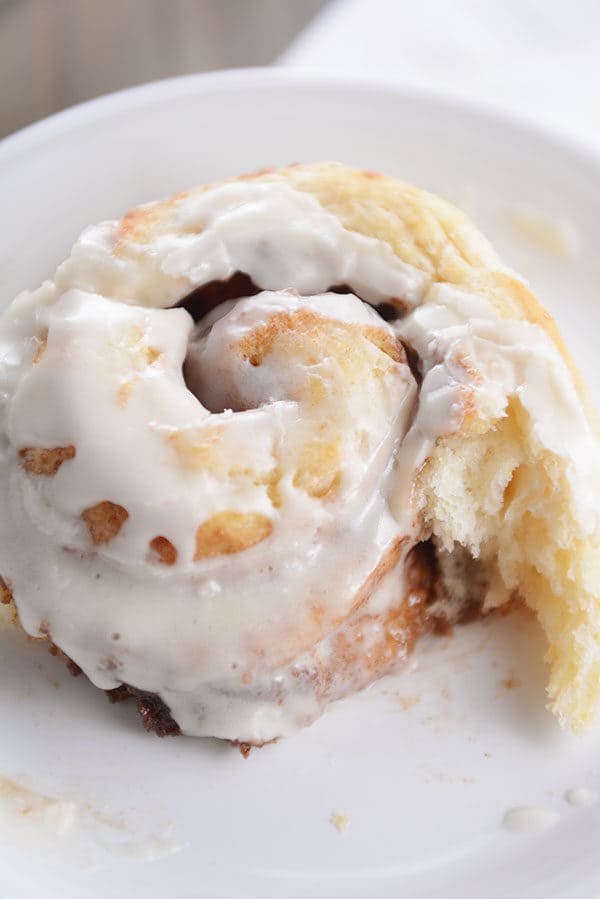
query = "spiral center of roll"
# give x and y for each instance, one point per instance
(211, 302)
(279, 347)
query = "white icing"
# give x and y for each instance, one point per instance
(152, 849)
(280, 236)
(530, 819)
(234, 643)
(581, 797)
(554, 234)
(35, 821)
(93, 346)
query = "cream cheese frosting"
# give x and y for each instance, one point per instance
(298, 429)
(279, 236)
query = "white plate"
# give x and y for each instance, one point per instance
(425, 764)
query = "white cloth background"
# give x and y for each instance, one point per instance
(537, 59)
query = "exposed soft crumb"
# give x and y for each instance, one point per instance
(340, 821)
(555, 234)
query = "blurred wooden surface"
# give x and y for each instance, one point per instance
(54, 53)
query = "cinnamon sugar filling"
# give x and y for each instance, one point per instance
(204, 299)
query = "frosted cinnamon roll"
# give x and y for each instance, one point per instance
(257, 439)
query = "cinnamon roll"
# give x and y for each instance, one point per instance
(257, 439)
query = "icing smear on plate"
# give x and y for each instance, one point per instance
(581, 797)
(67, 829)
(530, 819)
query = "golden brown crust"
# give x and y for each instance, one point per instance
(45, 462)
(163, 550)
(226, 533)
(42, 343)
(138, 223)
(259, 342)
(104, 521)
(6, 596)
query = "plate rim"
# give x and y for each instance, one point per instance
(275, 78)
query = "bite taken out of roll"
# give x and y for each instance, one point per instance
(257, 439)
